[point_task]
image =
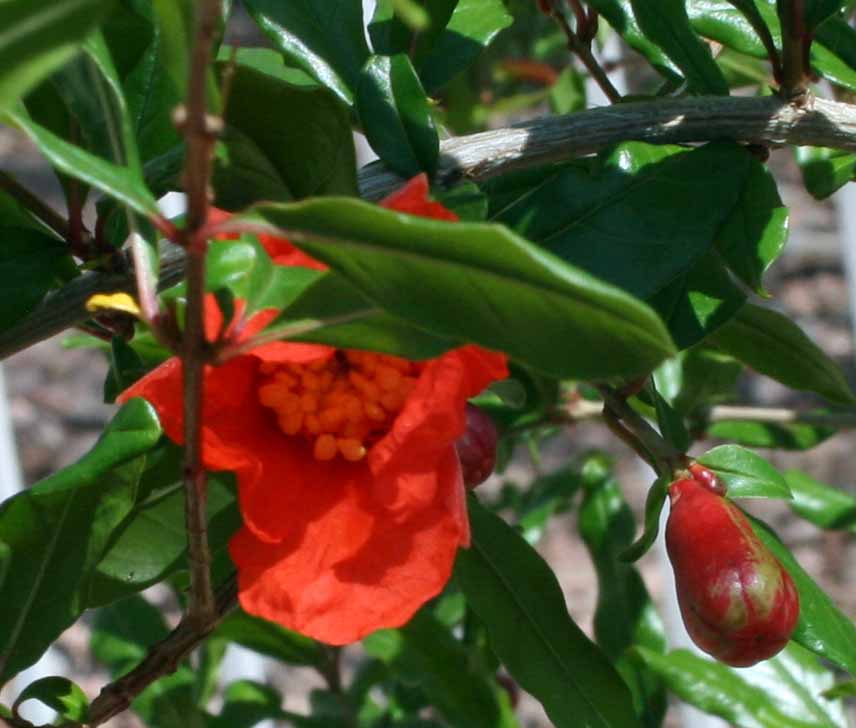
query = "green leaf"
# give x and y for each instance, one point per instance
(59, 694)
(733, 23)
(822, 628)
(38, 37)
(670, 422)
(121, 183)
(585, 328)
(755, 233)
(121, 636)
(697, 378)
(625, 614)
(57, 530)
(325, 40)
(745, 474)
(30, 264)
(821, 504)
(391, 32)
(783, 692)
(270, 639)
(616, 220)
(471, 28)
(246, 703)
(304, 132)
(547, 496)
(833, 52)
(825, 170)
(775, 346)
(654, 502)
(770, 435)
(666, 23)
(516, 596)
(425, 652)
(396, 117)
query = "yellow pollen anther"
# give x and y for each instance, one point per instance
(340, 405)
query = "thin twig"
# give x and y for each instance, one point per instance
(38, 207)
(580, 44)
(200, 135)
(781, 416)
(792, 18)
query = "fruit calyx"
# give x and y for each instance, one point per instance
(737, 601)
(477, 447)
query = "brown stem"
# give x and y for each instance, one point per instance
(39, 208)
(200, 132)
(792, 18)
(163, 658)
(582, 49)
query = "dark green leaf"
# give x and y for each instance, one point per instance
(734, 23)
(126, 367)
(546, 496)
(466, 200)
(783, 692)
(121, 636)
(770, 435)
(396, 116)
(121, 183)
(59, 694)
(825, 170)
(670, 422)
(833, 52)
(30, 263)
(325, 40)
(305, 132)
(391, 33)
(246, 703)
(820, 504)
(39, 37)
(697, 378)
(822, 628)
(653, 505)
(625, 615)
(517, 597)
(666, 23)
(586, 328)
(745, 474)
(57, 530)
(270, 639)
(817, 11)
(425, 651)
(772, 344)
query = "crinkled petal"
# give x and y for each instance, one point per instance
(412, 198)
(282, 252)
(350, 566)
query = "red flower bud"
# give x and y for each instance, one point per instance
(737, 601)
(477, 447)
(707, 478)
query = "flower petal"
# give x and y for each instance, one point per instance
(349, 566)
(413, 199)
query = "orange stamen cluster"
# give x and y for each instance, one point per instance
(343, 404)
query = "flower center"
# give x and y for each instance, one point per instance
(341, 405)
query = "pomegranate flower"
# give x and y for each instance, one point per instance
(349, 484)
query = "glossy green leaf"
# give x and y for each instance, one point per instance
(175, 23)
(833, 52)
(30, 264)
(516, 596)
(426, 652)
(59, 694)
(822, 627)
(654, 502)
(770, 435)
(119, 182)
(121, 636)
(825, 170)
(304, 132)
(246, 703)
(586, 328)
(625, 615)
(268, 638)
(268, 62)
(332, 298)
(821, 504)
(755, 233)
(745, 474)
(325, 40)
(670, 422)
(666, 23)
(396, 116)
(772, 344)
(783, 692)
(697, 378)
(57, 530)
(391, 32)
(471, 27)
(619, 14)
(817, 11)
(616, 220)
(39, 37)
(734, 23)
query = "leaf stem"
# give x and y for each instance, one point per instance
(794, 42)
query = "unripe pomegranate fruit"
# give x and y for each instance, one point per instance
(737, 601)
(477, 447)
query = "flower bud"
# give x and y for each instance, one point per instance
(737, 601)
(707, 478)
(477, 447)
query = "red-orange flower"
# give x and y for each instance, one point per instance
(349, 484)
